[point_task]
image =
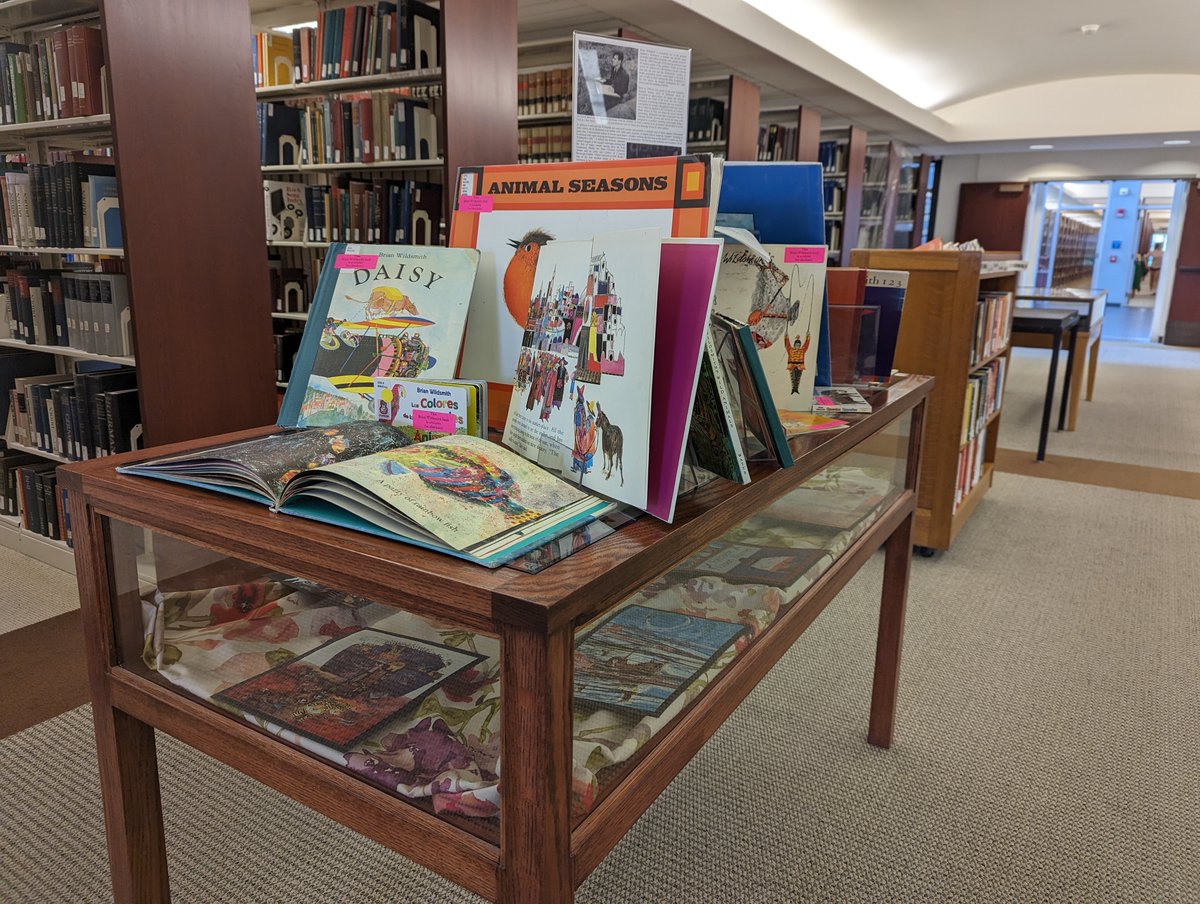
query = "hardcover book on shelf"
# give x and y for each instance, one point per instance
(509, 212)
(460, 495)
(285, 211)
(885, 290)
(378, 311)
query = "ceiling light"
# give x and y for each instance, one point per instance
(1178, 141)
(1089, 29)
(1041, 147)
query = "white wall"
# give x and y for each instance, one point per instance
(1041, 166)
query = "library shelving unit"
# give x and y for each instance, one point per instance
(790, 133)
(1074, 249)
(476, 91)
(190, 210)
(936, 338)
(842, 154)
(742, 103)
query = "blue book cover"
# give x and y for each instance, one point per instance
(885, 289)
(106, 212)
(786, 202)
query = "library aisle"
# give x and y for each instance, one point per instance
(1045, 747)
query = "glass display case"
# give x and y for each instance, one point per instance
(503, 727)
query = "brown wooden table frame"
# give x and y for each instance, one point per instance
(540, 857)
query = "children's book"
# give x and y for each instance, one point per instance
(642, 659)
(509, 213)
(777, 290)
(378, 311)
(714, 440)
(457, 494)
(432, 407)
(582, 390)
(839, 400)
(796, 423)
(348, 687)
(762, 432)
(885, 289)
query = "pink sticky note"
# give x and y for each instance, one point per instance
(794, 255)
(824, 400)
(356, 261)
(435, 421)
(476, 203)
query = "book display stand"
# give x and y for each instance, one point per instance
(594, 679)
(937, 335)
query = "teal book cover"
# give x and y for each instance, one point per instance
(392, 311)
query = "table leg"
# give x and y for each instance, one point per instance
(1070, 386)
(1078, 377)
(1093, 357)
(535, 807)
(1055, 347)
(128, 763)
(897, 561)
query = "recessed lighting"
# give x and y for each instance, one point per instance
(1089, 29)
(1178, 141)
(1041, 147)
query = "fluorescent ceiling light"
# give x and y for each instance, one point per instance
(1041, 147)
(840, 32)
(1178, 141)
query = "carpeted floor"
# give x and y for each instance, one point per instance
(31, 591)
(1046, 751)
(1142, 412)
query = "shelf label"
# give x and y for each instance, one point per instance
(356, 261)
(805, 255)
(476, 203)
(434, 421)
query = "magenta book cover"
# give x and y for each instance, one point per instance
(687, 278)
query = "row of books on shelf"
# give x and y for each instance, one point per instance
(832, 156)
(970, 466)
(89, 413)
(348, 42)
(875, 170)
(32, 493)
(289, 288)
(835, 197)
(778, 142)
(76, 309)
(706, 119)
(833, 235)
(69, 203)
(287, 344)
(984, 396)
(58, 76)
(544, 91)
(367, 127)
(543, 144)
(353, 210)
(993, 323)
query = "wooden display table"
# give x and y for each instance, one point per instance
(146, 547)
(1090, 305)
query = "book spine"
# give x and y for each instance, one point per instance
(724, 397)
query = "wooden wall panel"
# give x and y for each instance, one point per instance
(994, 213)
(187, 149)
(741, 120)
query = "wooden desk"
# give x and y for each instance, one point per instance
(1090, 305)
(544, 840)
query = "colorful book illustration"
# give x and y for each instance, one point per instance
(746, 563)
(432, 407)
(509, 213)
(839, 400)
(382, 311)
(642, 659)
(785, 202)
(885, 289)
(458, 494)
(581, 400)
(349, 687)
(762, 431)
(779, 298)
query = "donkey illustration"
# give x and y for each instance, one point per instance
(613, 444)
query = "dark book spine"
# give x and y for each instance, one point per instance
(50, 501)
(64, 511)
(39, 503)
(100, 415)
(26, 497)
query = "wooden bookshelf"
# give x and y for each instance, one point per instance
(842, 226)
(936, 338)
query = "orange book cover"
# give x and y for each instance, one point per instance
(509, 212)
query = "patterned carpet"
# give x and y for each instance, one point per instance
(1046, 751)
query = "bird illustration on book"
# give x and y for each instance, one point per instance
(470, 477)
(613, 443)
(518, 276)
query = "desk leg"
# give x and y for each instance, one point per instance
(1093, 357)
(1070, 380)
(1077, 378)
(897, 560)
(128, 762)
(1048, 406)
(535, 804)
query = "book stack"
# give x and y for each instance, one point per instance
(75, 309)
(351, 41)
(971, 459)
(777, 142)
(353, 210)
(706, 119)
(58, 76)
(993, 322)
(287, 343)
(87, 414)
(985, 392)
(544, 91)
(367, 127)
(832, 156)
(31, 493)
(68, 203)
(543, 144)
